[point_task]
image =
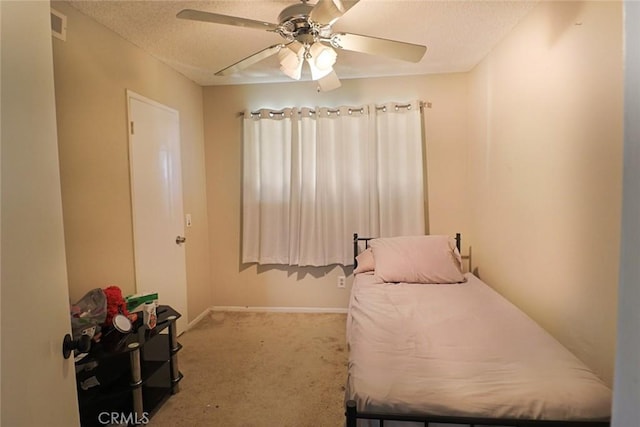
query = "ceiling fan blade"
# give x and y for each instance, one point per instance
(376, 46)
(327, 12)
(329, 82)
(250, 60)
(198, 15)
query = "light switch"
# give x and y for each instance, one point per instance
(188, 220)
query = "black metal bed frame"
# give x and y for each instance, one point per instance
(352, 414)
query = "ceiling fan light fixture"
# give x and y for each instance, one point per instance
(291, 60)
(321, 59)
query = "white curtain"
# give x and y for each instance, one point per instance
(313, 177)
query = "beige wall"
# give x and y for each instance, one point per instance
(248, 285)
(93, 68)
(545, 170)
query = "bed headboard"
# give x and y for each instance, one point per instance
(357, 240)
(356, 246)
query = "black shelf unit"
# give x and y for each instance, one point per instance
(137, 372)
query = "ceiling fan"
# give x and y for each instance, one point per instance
(308, 37)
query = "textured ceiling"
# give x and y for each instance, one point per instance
(458, 34)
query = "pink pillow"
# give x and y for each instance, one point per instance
(417, 259)
(364, 262)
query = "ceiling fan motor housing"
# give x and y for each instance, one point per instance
(295, 23)
(299, 10)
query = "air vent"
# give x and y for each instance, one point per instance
(58, 25)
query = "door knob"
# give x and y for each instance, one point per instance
(180, 239)
(82, 344)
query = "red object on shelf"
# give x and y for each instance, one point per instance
(115, 304)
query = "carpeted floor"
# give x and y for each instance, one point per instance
(250, 369)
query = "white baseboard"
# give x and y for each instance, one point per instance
(279, 309)
(198, 319)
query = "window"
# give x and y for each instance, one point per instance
(313, 177)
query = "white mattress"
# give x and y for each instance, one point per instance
(461, 349)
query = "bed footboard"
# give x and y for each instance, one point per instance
(353, 415)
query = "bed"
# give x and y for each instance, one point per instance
(431, 346)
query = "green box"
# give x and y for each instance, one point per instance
(136, 302)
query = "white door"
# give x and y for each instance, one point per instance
(156, 191)
(38, 384)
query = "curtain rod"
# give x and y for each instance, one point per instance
(336, 110)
